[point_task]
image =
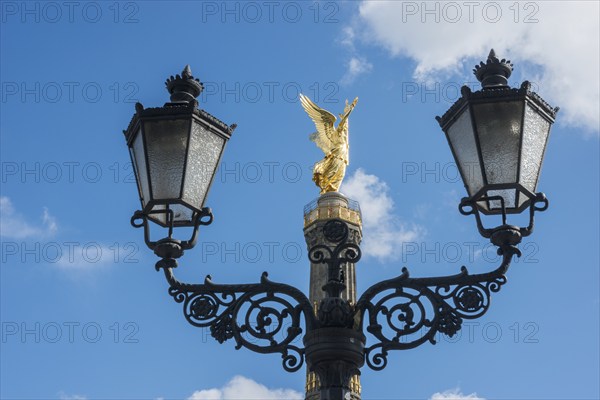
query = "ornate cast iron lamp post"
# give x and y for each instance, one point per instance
(497, 135)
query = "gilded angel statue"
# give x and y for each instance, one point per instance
(329, 172)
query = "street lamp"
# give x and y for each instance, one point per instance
(498, 137)
(175, 151)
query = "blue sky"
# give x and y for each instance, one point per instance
(85, 316)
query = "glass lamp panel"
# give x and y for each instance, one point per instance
(535, 136)
(464, 147)
(166, 141)
(161, 218)
(203, 158)
(499, 132)
(138, 157)
(181, 214)
(509, 196)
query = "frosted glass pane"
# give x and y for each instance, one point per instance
(181, 213)
(463, 144)
(204, 154)
(535, 136)
(166, 142)
(162, 217)
(507, 194)
(139, 161)
(499, 130)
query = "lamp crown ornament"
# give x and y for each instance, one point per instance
(494, 73)
(184, 88)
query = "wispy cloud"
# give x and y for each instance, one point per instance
(455, 394)
(16, 229)
(14, 225)
(64, 396)
(348, 37)
(242, 388)
(356, 66)
(444, 39)
(89, 255)
(384, 231)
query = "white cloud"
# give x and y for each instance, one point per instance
(13, 225)
(64, 396)
(348, 37)
(355, 67)
(49, 222)
(87, 255)
(383, 231)
(242, 388)
(455, 394)
(71, 255)
(444, 37)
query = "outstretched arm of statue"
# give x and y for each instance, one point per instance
(347, 111)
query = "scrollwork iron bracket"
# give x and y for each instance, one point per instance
(405, 312)
(263, 317)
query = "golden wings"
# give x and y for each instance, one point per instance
(327, 136)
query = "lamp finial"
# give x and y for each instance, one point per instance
(494, 73)
(184, 88)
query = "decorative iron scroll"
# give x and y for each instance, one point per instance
(406, 312)
(263, 317)
(336, 232)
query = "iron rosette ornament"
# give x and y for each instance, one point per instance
(264, 317)
(403, 313)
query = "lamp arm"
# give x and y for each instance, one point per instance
(406, 312)
(263, 317)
